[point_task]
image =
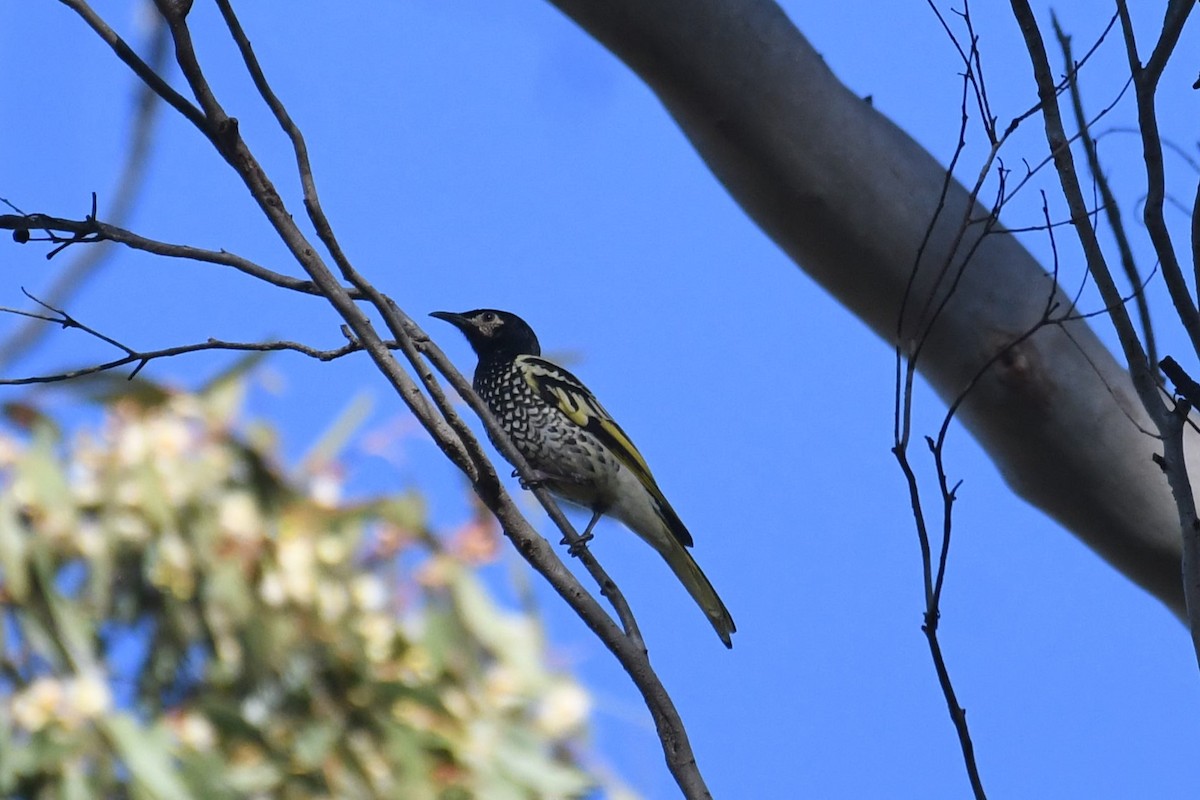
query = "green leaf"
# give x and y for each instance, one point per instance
(75, 783)
(314, 742)
(335, 437)
(147, 755)
(74, 631)
(14, 551)
(250, 689)
(512, 637)
(233, 376)
(42, 468)
(9, 755)
(406, 510)
(106, 388)
(524, 759)
(205, 774)
(27, 417)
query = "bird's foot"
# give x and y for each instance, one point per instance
(579, 545)
(533, 480)
(536, 478)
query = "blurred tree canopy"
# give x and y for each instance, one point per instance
(181, 618)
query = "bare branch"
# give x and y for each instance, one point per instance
(1061, 152)
(135, 63)
(1145, 84)
(1169, 144)
(1170, 423)
(939, 300)
(140, 358)
(1049, 159)
(1196, 235)
(932, 615)
(1174, 18)
(1070, 76)
(128, 187)
(91, 230)
(1184, 384)
(1112, 209)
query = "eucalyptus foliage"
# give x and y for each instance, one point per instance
(183, 618)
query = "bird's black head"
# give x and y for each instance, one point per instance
(494, 334)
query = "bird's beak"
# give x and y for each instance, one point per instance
(457, 320)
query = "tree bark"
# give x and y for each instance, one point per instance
(849, 196)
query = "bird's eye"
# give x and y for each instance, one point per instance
(488, 316)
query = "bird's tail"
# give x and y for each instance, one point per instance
(698, 586)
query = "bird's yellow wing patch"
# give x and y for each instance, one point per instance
(563, 390)
(559, 387)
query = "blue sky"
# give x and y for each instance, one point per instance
(491, 154)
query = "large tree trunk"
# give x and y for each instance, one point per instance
(849, 196)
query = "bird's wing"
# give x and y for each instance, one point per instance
(560, 388)
(563, 390)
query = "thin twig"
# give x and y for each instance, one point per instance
(91, 231)
(1070, 76)
(924, 320)
(1145, 85)
(128, 187)
(932, 615)
(143, 70)
(1033, 171)
(1196, 235)
(1169, 423)
(1109, 205)
(1176, 148)
(140, 358)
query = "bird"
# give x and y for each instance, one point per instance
(575, 448)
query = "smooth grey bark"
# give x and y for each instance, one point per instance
(849, 196)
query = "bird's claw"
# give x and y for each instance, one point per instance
(536, 478)
(579, 545)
